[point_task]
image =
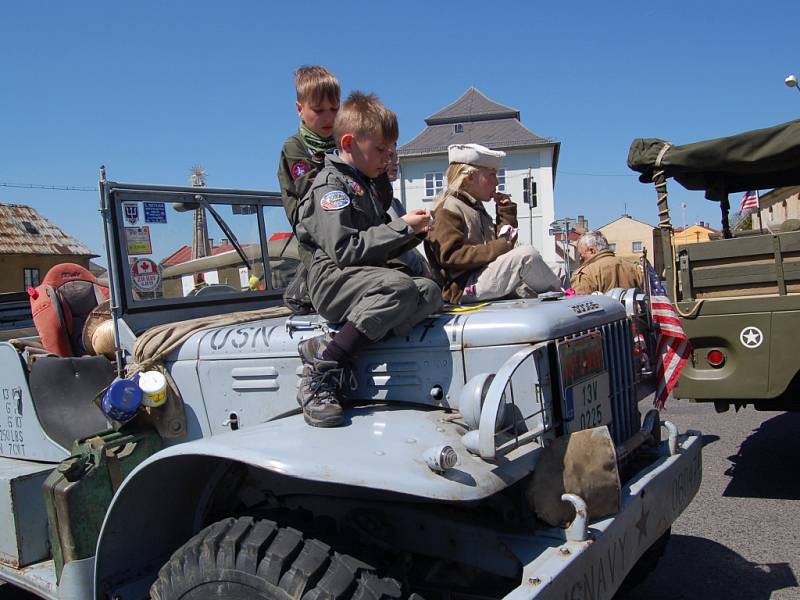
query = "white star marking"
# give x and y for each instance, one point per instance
(751, 337)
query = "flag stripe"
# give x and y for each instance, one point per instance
(672, 347)
(749, 201)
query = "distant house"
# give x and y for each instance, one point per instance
(224, 265)
(777, 206)
(629, 237)
(695, 234)
(30, 245)
(474, 118)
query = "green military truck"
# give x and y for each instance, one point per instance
(738, 297)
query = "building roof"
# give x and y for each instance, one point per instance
(697, 227)
(481, 120)
(630, 218)
(778, 195)
(473, 105)
(184, 253)
(24, 231)
(500, 134)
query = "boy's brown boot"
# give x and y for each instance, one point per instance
(319, 387)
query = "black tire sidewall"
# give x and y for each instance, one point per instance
(230, 584)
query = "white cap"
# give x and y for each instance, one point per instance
(476, 155)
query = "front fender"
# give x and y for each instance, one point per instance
(379, 449)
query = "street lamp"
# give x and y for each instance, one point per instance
(791, 81)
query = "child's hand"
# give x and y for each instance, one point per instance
(419, 220)
(501, 199)
(508, 232)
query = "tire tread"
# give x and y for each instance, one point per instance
(287, 565)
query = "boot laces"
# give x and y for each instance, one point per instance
(323, 385)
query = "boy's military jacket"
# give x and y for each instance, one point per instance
(343, 222)
(296, 171)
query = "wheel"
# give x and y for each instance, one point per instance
(246, 559)
(644, 566)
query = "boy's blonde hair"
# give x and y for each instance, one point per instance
(315, 83)
(457, 175)
(364, 114)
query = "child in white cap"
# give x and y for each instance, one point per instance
(474, 257)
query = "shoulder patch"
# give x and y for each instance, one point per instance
(299, 168)
(355, 186)
(334, 200)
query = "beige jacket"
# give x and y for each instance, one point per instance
(464, 239)
(605, 271)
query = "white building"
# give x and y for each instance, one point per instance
(476, 118)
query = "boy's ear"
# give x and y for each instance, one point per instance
(298, 106)
(346, 142)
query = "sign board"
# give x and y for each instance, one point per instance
(131, 212)
(145, 275)
(137, 240)
(154, 212)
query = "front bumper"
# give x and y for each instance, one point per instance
(556, 568)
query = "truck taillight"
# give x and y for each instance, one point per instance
(715, 358)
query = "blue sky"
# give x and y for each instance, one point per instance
(151, 88)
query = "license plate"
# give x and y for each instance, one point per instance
(587, 404)
(584, 382)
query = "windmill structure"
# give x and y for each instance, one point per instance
(201, 245)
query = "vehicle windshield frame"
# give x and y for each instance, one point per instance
(121, 193)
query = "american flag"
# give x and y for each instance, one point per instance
(672, 344)
(749, 202)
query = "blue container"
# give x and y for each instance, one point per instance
(122, 400)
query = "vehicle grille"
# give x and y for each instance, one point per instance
(618, 352)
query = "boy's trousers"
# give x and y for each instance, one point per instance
(376, 300)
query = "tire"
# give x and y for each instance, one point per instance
(644, 566)
(246, 559)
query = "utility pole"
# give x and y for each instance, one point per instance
(562, 227)
(529, 197)
(201, 245)
(527, 184)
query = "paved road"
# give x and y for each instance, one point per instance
(738, 539)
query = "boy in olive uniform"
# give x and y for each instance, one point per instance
(303, 154)
(344, 227)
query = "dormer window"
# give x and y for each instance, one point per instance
(28, 227)
(458, 128)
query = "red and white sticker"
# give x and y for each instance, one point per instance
(355, 186)
(145, 275)
(300, 168)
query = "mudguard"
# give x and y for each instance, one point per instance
(380, 450)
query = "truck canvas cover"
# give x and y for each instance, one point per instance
(754, 160)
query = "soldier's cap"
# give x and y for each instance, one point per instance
(475, 155)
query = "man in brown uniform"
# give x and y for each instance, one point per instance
(600, 269)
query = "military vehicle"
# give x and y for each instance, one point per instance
(737, 297)
(15, 315)
(497, 451)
